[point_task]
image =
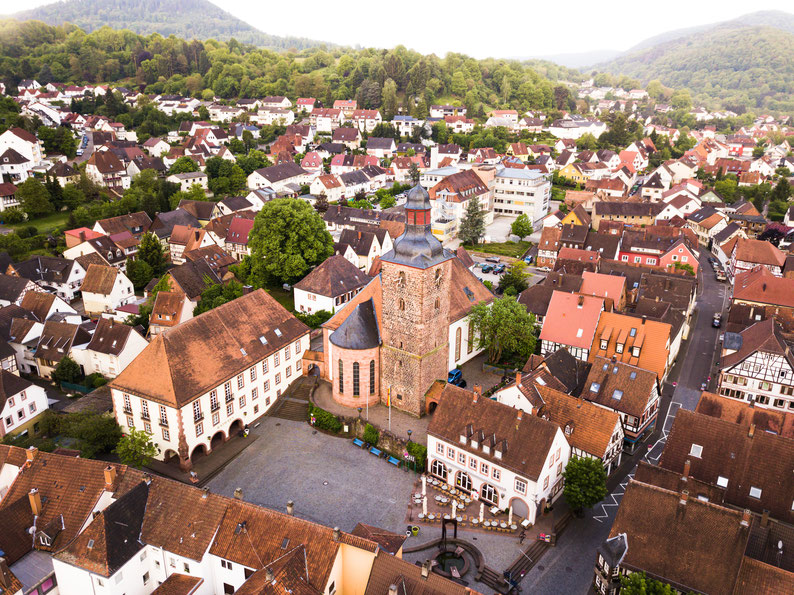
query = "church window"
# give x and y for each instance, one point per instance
(401, 279)
(355, 379)
(372, 376)
(341, 376)
(401, 304)
(438, 304)
(457, 343)
(470, 341)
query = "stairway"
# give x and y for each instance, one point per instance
(494, 580)
(294, 404)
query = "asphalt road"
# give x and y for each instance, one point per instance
(89, 148)
(568, 568)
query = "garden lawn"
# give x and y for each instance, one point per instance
(282, 297)
(43, 225)
(512, 249)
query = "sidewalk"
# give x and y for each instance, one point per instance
(377, 415)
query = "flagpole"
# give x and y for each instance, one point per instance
(388, 400)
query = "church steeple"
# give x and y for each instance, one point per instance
(417, 247)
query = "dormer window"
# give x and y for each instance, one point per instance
(474, 443)
(619, 348)
(462, 439)
(636, 352)
(486, 449)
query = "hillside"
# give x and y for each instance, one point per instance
(728, 65)
(190, 19)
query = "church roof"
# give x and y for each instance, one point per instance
(360, 330)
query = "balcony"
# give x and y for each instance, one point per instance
(214, 407)
(163, 423)
(127, 410)
(198, 418)
(145, 416)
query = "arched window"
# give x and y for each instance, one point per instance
(457, 343)
(372, 376)
(401, 305)
(438, 275)
(341, 376)
(401, 279)
(355, 379)
(438, 469)
(470, 342)
(488, 493)
(437, 304)
(463, 481)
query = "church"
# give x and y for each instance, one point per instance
(409, 326)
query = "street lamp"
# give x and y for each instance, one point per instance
(409, 435)
(359, 412)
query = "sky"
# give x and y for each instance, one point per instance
(519, 29)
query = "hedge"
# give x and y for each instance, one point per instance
(325, 420)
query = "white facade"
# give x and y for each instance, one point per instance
(522, 192)
(241, 399)
(29, 150)
(462, 342)
(122, 293)
(110, 365)
(460, 468)
(22, 407)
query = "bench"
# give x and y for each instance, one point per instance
(358, 443)
(375, 451)
(394, 461)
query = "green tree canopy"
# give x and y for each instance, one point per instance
(67, 370)
(472, 224)
(288, 238)
(183, 165)
(216, 295)
(522, 226)
(514, 279)
(585, 482)
(637, 583)
(136, 448)
(139, 272)
(150, 251)
(34, 198)
(505, 329)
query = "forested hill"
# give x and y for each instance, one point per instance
(377, 78)
(190, 19)
(730, 65)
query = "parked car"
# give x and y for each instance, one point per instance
(494, 259)
(456, 377)
(486, 268)
(499, 269)
(720, 276)
(716, 322)
(529, 259)
(79, 152)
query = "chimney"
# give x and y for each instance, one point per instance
(238, 494)
(35, 502)
(392, 589)
(684, 497)
(31, 453)
(290, 507)
(751, 431)
(581, 301)
(644, 318)
(110, 477)
(687, 465)
(205, 492)
(5, 576)
(765, 518)
(82, 236)
(336, 533)
(518, 378)
(269, 576)
(477, 389)
(520, 414)
(745, 518)
(425, 568)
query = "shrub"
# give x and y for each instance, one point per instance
(13, 215)
(419, 452)
(325, 420)
(371, 434)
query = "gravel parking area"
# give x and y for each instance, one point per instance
(331, 481)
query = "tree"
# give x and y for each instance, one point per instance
(321, 204)
(183, 165)
(34, 198)
(139, 272)
(514, 280)
(389, 99)
(216, 295)
(587, 141)
(521, 227)
(637, 583)
(73, 197)
(782, 190)
(287, 240)
(472, 225)
(151, 252)
(67, 370)
(413, 173)
(505, 329)
(585, 482)
(387, 202)
(136, 448)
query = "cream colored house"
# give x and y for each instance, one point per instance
(105, 288)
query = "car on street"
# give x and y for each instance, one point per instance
(486, 268)
(494, 259)
(79, 152)
(720, 276)
(456, 377)
(716, 322)
(499, 269)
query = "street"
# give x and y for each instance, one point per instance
(568, 568)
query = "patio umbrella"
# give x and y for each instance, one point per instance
(482, 510)
(454, 508)
(424, 506)
(510, 515)
(424, 485)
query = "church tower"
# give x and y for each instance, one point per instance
(415, 281)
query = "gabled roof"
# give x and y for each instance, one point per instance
(759, 285)
(746, 414)
(194, 277)
(619, 386)
(587, 426)
(10, 385)
(656, 523)
(333, 277)
(747, 457)
(207, 350)
(38, 303)
(763, 336)
(759, 252)
(11, 287)
(650, 336)
(571, 319)
(99, 279)
(110, 337)
(390, 570)
(528, 438)
(57, 338)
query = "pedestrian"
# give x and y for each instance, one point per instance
(522, 536)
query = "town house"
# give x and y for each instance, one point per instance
(571, 321)
(104, 289)
(112, 348)
(502, 456)
(329, 286)
(249, 350)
